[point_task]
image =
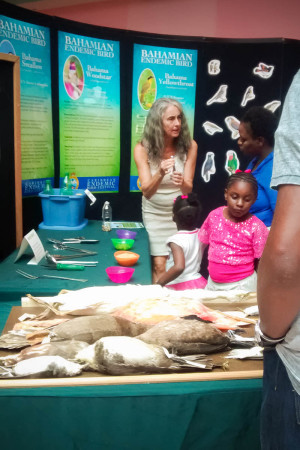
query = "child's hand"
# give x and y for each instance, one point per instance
(177, 178)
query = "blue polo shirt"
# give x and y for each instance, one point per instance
(264, 206)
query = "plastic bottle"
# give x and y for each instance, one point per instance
(106, 217)
(48, 188)
(67, 186)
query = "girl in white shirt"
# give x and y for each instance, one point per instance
(185, 250)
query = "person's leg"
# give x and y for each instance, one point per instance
(158, 267)
(280, 411)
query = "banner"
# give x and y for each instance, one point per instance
(32, 44)
(160, 72)
(89, 111)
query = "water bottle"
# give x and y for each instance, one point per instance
(67, 186)
(48, 188)
(106, 217)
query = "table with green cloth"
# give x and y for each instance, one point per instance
(135, 415)
(13, 286)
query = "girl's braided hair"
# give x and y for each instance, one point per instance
(247, 177)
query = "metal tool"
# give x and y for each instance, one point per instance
(62, 246)
(34, 277)
(72, 256)
(80, 241)
(83, 263)
(60, 266)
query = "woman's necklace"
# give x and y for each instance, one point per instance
(169, 152)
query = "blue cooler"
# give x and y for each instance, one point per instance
(63, 212)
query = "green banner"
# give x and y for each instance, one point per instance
(160, 72)
(32, 44)
(89, 111)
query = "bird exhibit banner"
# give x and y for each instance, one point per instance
(32, 44)
(89, 111)
(160, 72)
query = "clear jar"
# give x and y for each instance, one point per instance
(106, 216)
(67, 186)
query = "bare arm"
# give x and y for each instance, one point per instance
(177, 268)
(185, 180)
(278, 291)
(149, 183)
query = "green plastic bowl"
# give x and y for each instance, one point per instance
(122, 244)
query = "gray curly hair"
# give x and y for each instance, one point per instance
(153, 135)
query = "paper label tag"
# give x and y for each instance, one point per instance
(36, 245)
(26, 316)
(90, 196)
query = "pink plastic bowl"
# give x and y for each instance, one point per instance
(119, 274)
(126, 234)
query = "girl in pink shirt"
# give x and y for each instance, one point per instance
(185, 254)
(235, 237)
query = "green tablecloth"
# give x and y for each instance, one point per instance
(176, 416)
(13, 286)
(186, 416)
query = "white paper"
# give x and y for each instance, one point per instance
(26, 316)
(246, 353)
(36, 245)
(90, 196)
(251, 311)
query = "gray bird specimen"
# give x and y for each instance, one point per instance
(121, 355)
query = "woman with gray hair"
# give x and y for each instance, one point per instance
(166, 160)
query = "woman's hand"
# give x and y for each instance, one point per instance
(166, 166)
(150, 183)
(177, 178)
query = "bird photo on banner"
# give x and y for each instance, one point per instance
(147, 89)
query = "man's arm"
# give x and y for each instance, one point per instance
(278, 290)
